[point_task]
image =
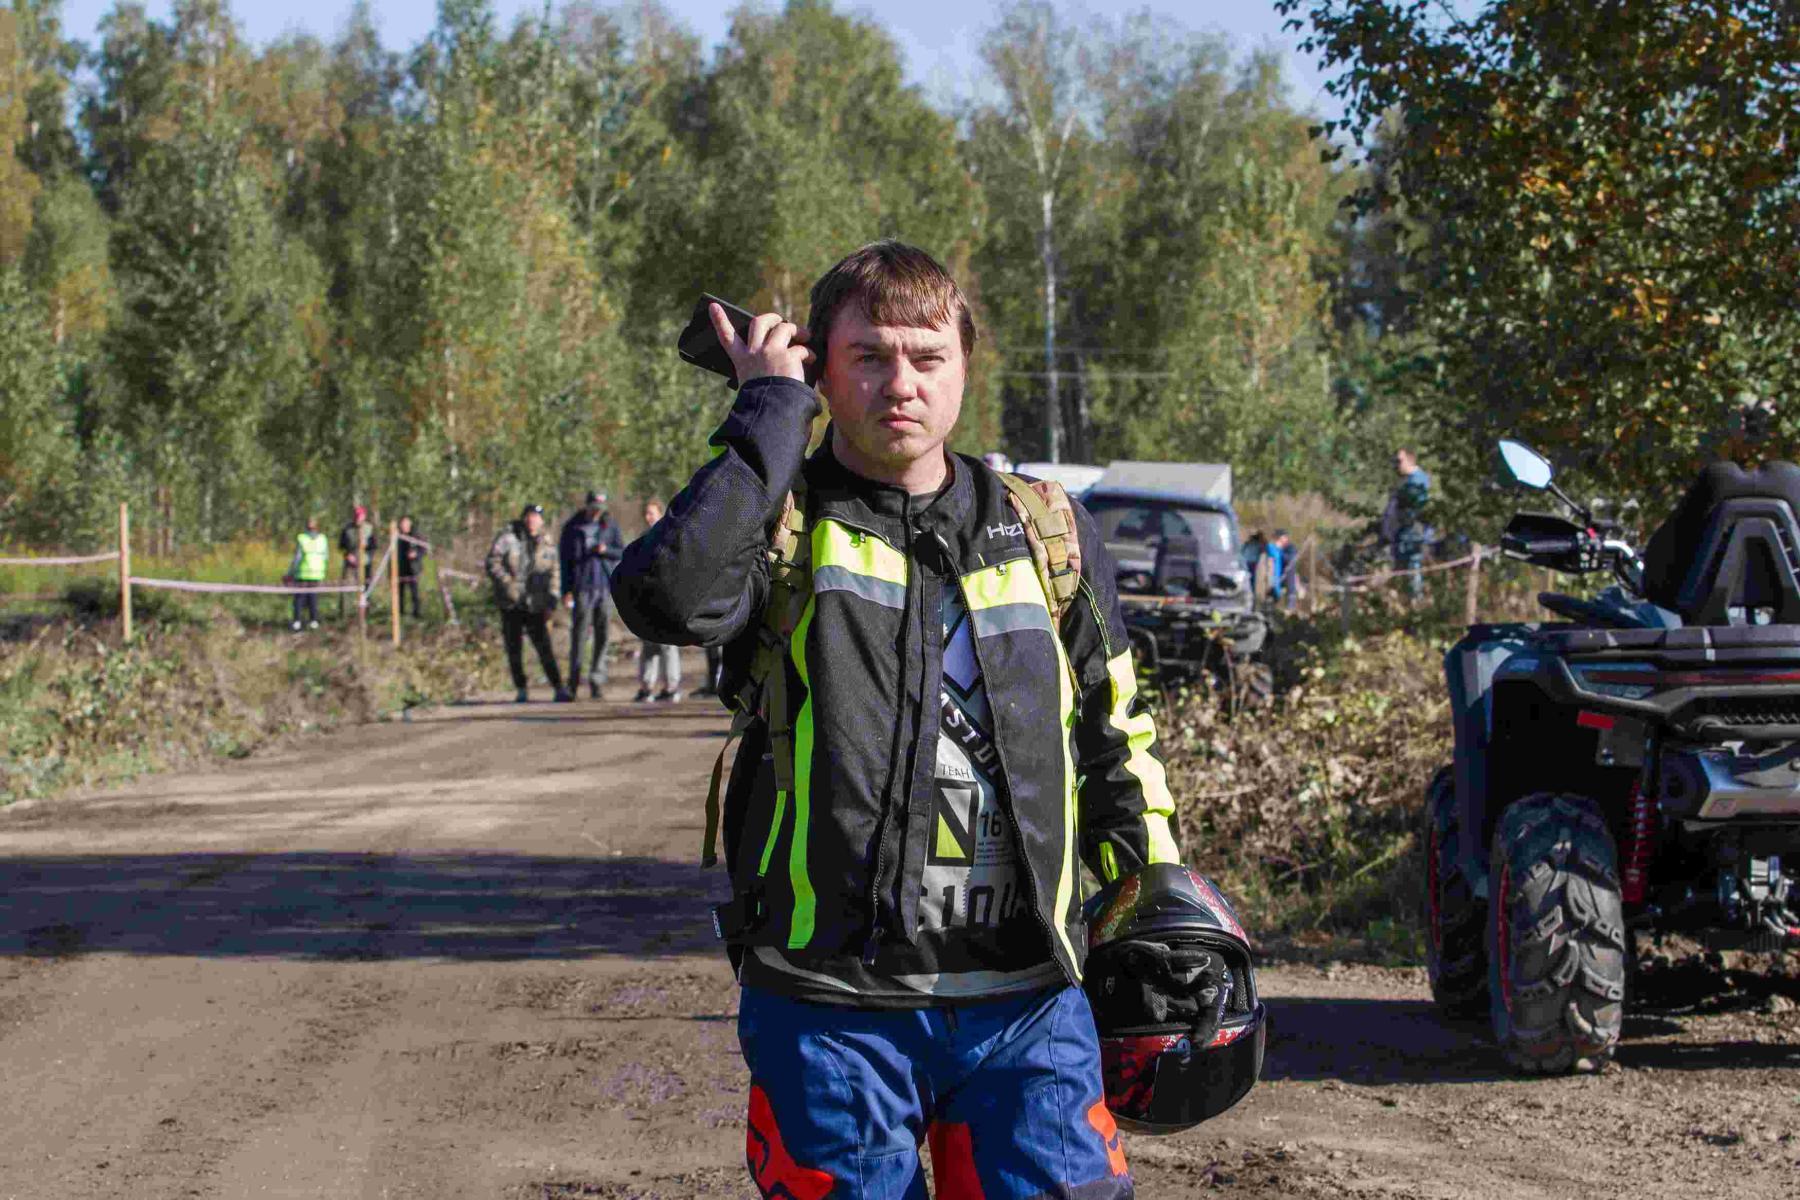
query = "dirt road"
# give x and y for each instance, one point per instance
(467, 956)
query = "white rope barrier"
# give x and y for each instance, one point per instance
(189, 585)
(66, 561)
(1359, 582)
(375, 579)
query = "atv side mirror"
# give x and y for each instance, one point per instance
(1525, 465)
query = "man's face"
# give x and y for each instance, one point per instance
(895, 391)
(1404, 463)
(652, 513)
(534, 521)
(405, 524)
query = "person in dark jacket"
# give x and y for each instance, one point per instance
(409, 563)
(590, 546)
(1403, 526)
(356, 542)
(522, 565)
(903, 847)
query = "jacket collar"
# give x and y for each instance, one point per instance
(838, 487)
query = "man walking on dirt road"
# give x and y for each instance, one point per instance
(902, 829)
(590, 547)
(522, 563)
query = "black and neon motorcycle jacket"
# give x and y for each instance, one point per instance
(821, 871)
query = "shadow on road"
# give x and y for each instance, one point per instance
(1737, 1055)
(1373, 1042)
(354, 906)
(1376, 1042)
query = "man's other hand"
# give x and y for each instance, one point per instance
(569, 600)
(772, 346)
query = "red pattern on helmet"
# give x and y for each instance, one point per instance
(1128, 1065)
(777, 1175)
(1220, 908)
(953, 1174)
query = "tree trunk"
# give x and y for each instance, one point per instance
(1053, 396)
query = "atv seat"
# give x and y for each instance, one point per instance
(1731, 549)
(1177, 569)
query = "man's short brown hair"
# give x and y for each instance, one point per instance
(893, 284)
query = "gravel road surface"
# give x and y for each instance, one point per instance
(467, 955)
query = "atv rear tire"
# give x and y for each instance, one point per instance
(1556, 935)
(1455, 917)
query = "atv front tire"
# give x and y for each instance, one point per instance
(1455, 917)
(1556, 935)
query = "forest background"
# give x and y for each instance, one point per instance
(240, 285)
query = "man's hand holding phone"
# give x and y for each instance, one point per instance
(770, 346)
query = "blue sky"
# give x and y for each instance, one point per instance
(938, 37)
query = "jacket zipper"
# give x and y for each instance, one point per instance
(872, 944)
(1006, 798)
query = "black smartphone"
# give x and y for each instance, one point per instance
(699, 343)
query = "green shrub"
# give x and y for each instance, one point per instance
(1306, 811)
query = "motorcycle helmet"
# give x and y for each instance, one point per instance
(1173, 991)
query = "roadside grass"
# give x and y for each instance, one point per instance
(93, 590)
(77, 710)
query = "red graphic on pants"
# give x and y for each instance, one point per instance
(1104, 1125)
(953, 1163)
(776, 1173)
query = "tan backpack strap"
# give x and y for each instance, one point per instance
(764, 695)
(1049, 519)
(709, 845)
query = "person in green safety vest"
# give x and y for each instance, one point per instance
(312, 557)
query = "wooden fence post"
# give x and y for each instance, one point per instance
(362, 625)
(1472, 594)
(1312, 575)
(394, 577)
(125, 569)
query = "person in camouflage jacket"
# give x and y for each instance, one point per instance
(527, 575)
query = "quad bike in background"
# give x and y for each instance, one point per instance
(1632, 769)
(1188, 601)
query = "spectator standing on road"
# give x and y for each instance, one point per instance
(312, 559)
(905, 831)
(523, 566)
(654, 658)
(1403, 527)
(356, 542)
(410, 564)
(590, 547)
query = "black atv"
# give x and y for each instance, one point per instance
(1634, 770)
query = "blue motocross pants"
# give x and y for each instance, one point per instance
(1007, 1092)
